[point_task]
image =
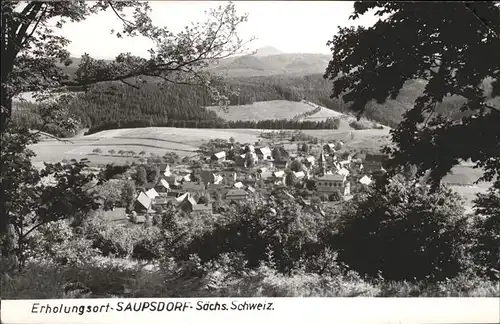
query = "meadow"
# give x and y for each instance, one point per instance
(263, 110)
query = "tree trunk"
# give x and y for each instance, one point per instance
(6, 230)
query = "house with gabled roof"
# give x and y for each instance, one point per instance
(279, 174)
(299, 175)
(219, 156)
(215, 186)
(162, 186)
(330, 182)
(192, 186)
(329, 148)
(366, 180)
(264, 153)
(149, 185)
(143, 203)
(202, 208)
(239, 185)
(343, 171)
(310, 161)
(187, 203)
(151, 193)
(236, 195)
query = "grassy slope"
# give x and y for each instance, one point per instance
(275, 109)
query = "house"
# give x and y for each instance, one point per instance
(202, 208)
(299, 175)
(279, 174)
(149, 185)
(192, 186)
(166, 171)
(330, 183)
(365, 180)
(182, 197)
(186, 178)
(236, 195)
(239, 185)
(280, 164)
(343, 172)
(267, 177)
(115, 215)
(215, 186)
(151, 193)
(143, 203)
(263, 153)
(187, 203)
(240, 160)
(310, 161)
(172, 181)
(217, 179)
(162, 186)
(220, 156)
(137, 219)
(251, 189)
(329, 148)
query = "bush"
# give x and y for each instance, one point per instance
(361, 124)
(335, 196)
(261, 231)
(487, 225)
(405, 233)
(112, 240)
(56, 242)
(149, 247)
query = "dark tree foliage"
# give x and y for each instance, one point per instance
(404, 232)
(33, 55)
(455, 49)
(141, 176)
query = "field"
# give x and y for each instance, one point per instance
(157, 140)
(275, 109)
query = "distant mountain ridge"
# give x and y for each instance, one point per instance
(266, 61)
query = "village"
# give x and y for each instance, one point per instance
(228, 173)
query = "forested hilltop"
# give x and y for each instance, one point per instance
(116, 105)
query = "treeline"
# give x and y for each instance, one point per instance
(116, 105)
(329, 123)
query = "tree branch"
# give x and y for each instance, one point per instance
(125, 21)
(24, 27)
(481, 21)
(23, 43)
(492, 108)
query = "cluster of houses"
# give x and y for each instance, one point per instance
(330, 172)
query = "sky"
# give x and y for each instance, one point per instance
(290, 26)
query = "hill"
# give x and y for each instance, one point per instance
(266, 61)
(267, 50)
(262, 110)
(275, 64)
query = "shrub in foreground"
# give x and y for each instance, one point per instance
(403, 232)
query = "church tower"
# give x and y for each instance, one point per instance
(322, 164)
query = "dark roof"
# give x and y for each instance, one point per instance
(202, 207)
(236, 192)
(115, 214)
(149, 185)
(331, 177)
(192, 186)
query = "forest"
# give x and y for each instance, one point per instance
(115, 105)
